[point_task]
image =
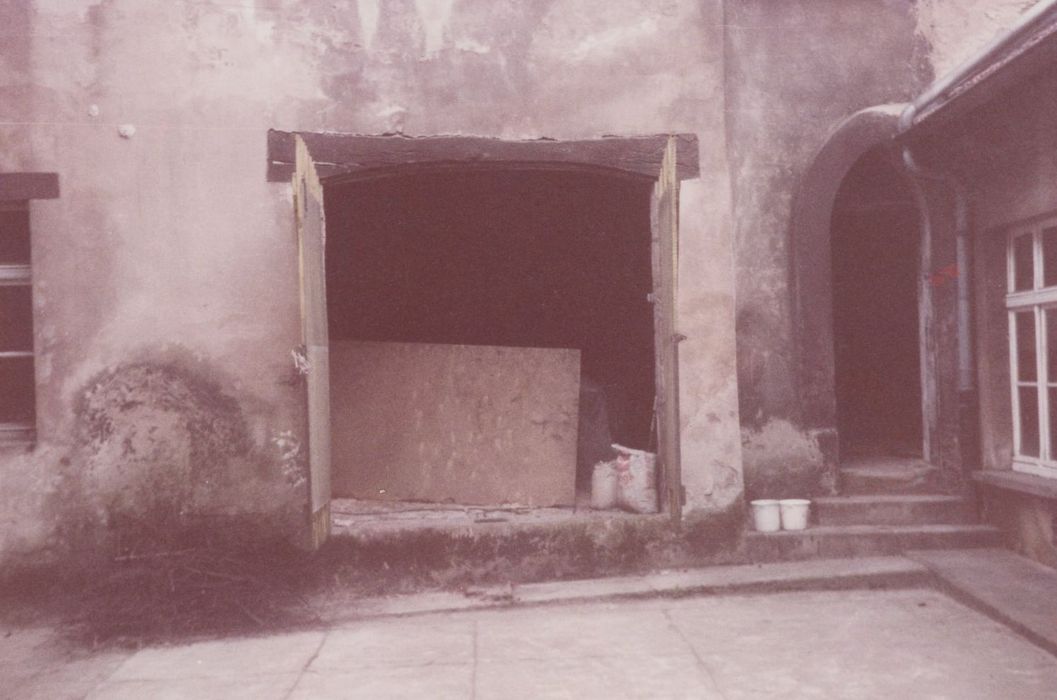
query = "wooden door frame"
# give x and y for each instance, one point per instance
(665, 159)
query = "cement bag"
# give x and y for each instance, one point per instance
(605, 486)
(637, 480)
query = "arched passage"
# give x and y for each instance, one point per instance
(875, 243)
(812, 263)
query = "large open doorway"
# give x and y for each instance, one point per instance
(877, 350)
(446, 266)
(443, 192)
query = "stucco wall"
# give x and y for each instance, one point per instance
(165, 274)
(956, 29)
(795, 70)
(1006, 154)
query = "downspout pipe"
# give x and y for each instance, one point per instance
(966, 376)
(936, 92)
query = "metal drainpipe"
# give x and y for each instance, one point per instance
(935, 92)
(939, 90)
(966, 375)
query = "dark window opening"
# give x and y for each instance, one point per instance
(516, 258)
(17, 400)
(875, 239)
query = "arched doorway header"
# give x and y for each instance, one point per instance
(812, 295)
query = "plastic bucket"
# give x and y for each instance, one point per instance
(766, 515)
(794, 513)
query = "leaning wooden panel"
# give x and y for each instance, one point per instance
(664, 222)
(454, 423)
(311, 240)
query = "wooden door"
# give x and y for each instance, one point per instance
(311, 241)
(664, 218)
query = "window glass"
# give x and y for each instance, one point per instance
(16, 400)
(1049, 256)
(1026, 369)
(16, 318)
(14, 237)
(1023, 263)
(1051, 345)
(1029, 421)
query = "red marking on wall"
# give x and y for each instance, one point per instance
(944, 275)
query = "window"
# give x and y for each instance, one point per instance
(1031, 302)
(17, 393)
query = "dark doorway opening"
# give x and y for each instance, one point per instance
(513, 257)
(875, 262)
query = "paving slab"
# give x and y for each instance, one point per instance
(238, 657)
(35, 663)
(676, 677)
(400, 642)
(1010, 588)
(910, 642)
(275, 687)
(435, 682)
(611, 631)
(860, 644)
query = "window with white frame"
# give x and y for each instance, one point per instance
(17, 391)
(1031, 302)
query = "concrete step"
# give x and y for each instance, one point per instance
(889, 476)
(900, 509)
(864, 540)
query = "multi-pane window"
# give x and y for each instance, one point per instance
(17, 404)
(1031, 302)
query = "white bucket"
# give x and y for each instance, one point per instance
(765, 515)
(604, 486)
(794, 513)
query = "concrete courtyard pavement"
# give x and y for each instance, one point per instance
(913, 643)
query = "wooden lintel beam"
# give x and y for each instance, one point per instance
(352, 154)
(19, 186)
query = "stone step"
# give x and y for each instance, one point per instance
(864, 540)
(900, 509)
(889, 476)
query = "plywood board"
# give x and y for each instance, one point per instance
(454, 423)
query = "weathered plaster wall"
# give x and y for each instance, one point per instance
(1006, 153)
(165, 274)
(795, 70)
(956, 29)
(1029, 523)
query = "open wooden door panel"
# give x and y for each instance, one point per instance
(311, 240)
(664, 219)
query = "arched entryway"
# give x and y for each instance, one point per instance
(875, 244)
(852, 146)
